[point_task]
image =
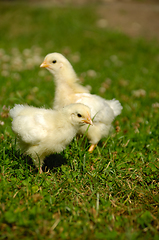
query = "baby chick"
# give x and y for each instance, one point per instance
(42, 132)
(68, 90)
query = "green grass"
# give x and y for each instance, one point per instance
(111, 193)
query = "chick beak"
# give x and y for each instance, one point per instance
(44, 65)
(88, 120)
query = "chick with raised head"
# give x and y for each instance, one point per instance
(68, 90)
(42, 132)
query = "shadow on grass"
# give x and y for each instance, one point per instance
(51, 162)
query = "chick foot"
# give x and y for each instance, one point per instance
(92, 147)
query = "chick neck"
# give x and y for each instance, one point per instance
(66, 83)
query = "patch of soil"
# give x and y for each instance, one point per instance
(133, 18)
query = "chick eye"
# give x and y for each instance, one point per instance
(79, 115)
(54, 61)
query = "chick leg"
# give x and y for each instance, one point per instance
(38, 163)
(92, 147)
(40, 170)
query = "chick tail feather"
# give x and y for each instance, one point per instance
(16, 110)
(115, 105)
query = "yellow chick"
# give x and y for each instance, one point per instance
(42, 132)
(68, 90)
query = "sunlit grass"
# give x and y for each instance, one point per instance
(111, 193)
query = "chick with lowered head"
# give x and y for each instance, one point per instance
(42, 132)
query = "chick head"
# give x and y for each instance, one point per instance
(78, 113)
(56, 63)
